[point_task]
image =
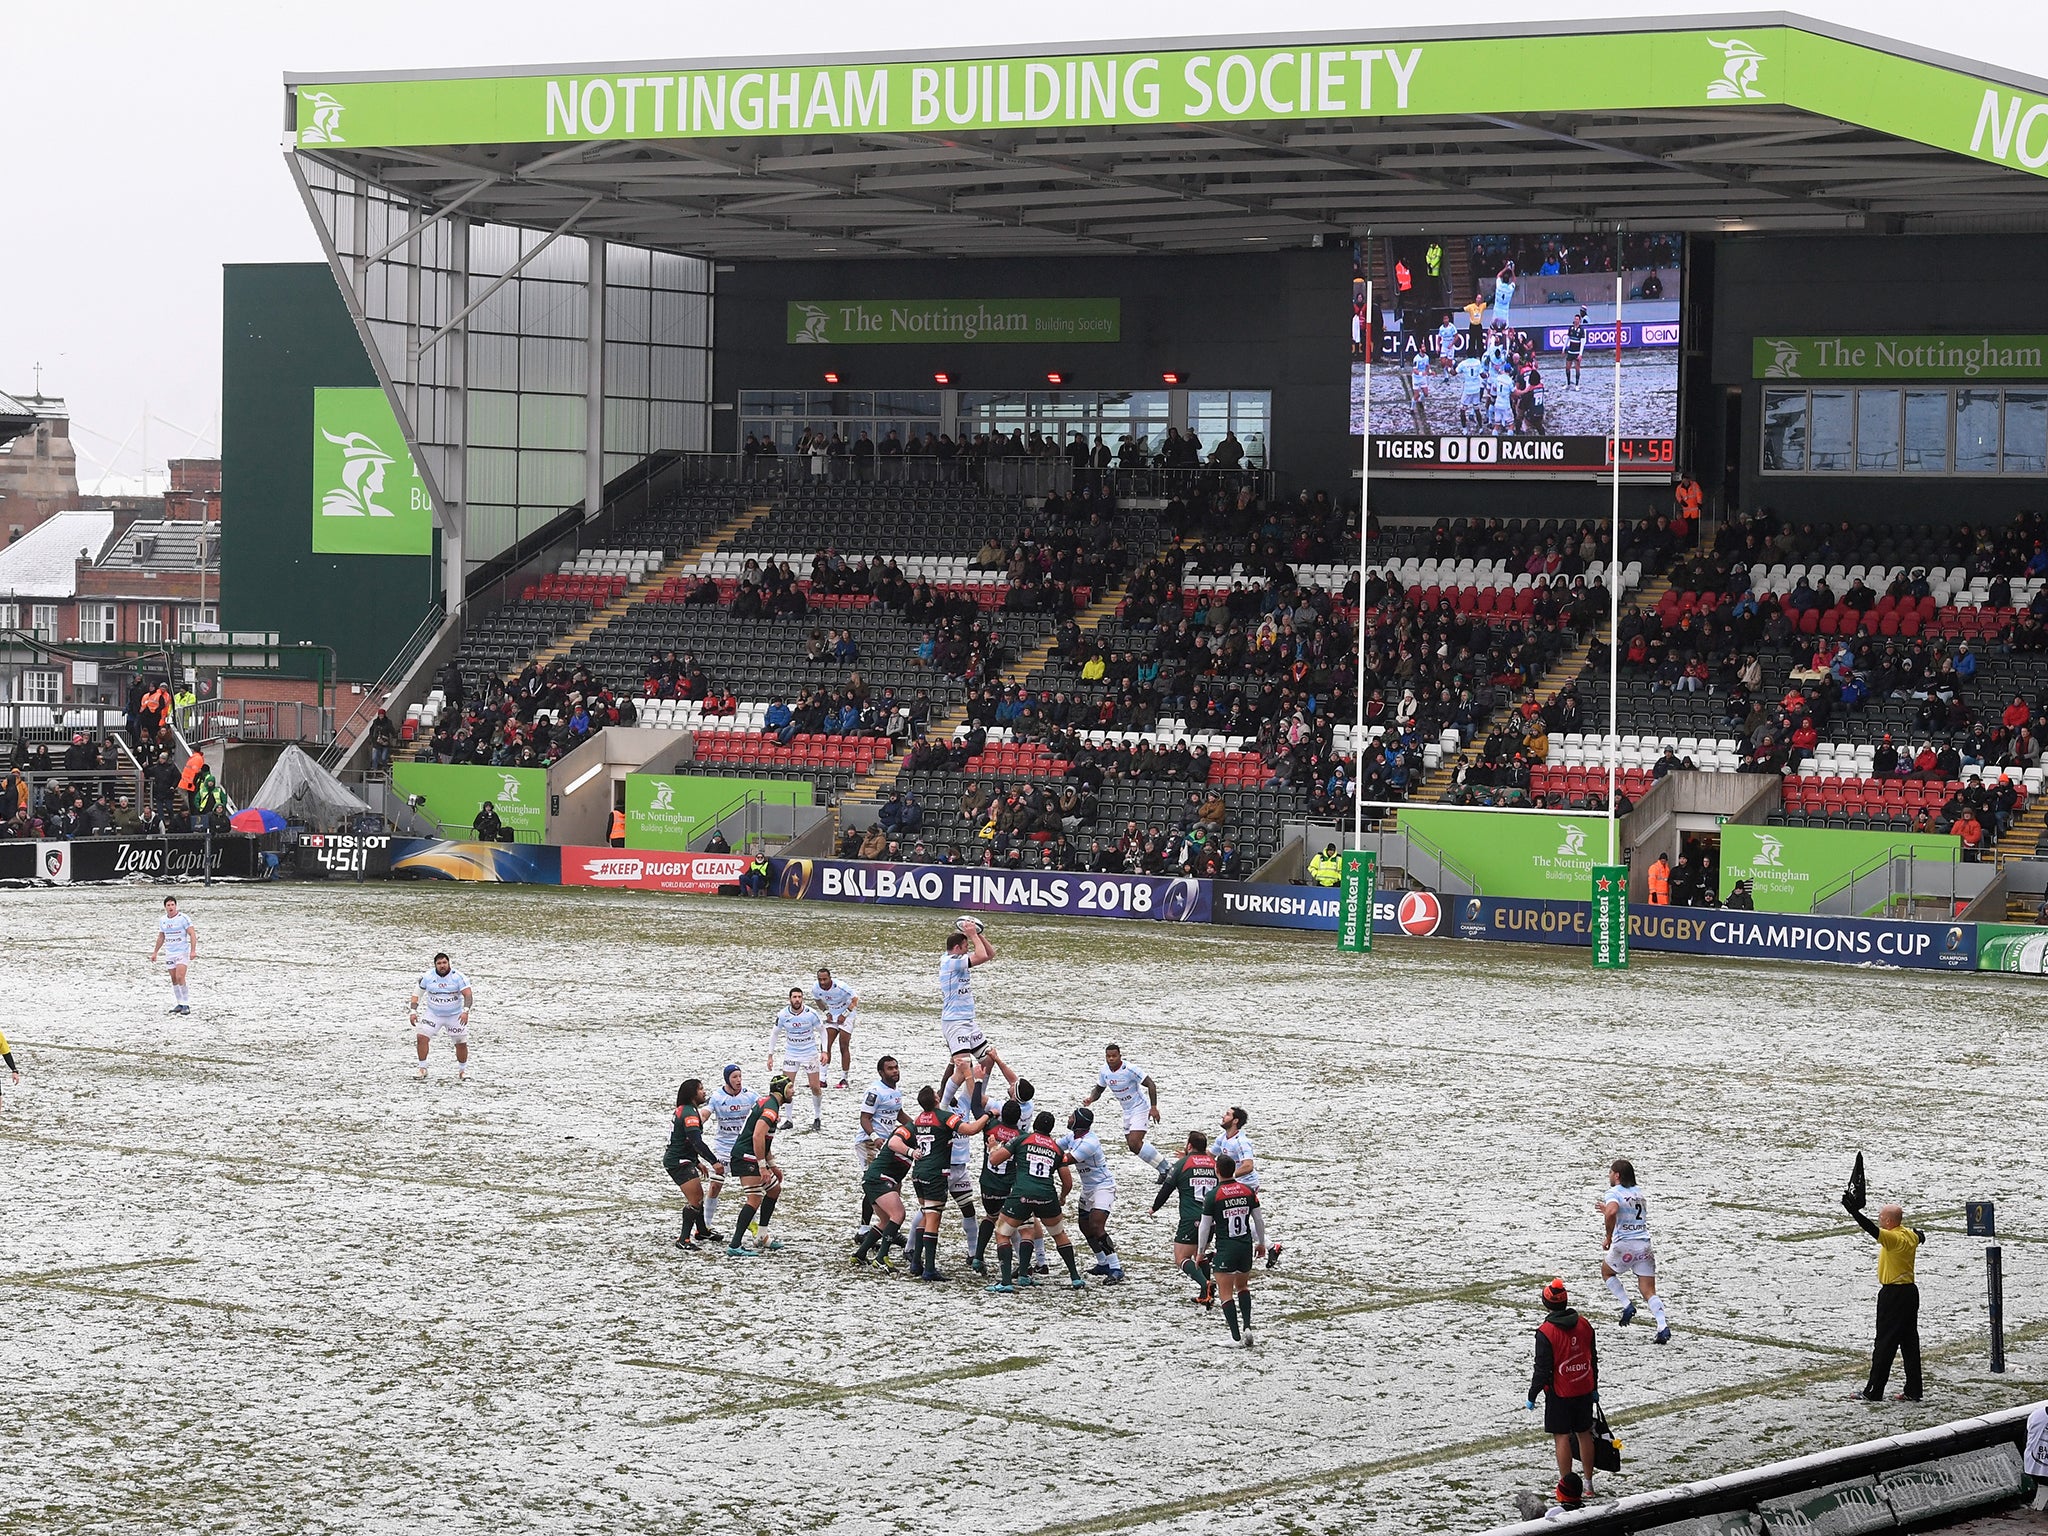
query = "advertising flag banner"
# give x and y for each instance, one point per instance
(368, 497)
(1609, 917)
(1355, 879)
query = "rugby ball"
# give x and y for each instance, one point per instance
(969, 925)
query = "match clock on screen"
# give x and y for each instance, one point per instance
(1645, 452)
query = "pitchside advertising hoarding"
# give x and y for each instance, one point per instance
(1790, 867)
(1713, 69)
(1160, 898)
(699, 874)
(671, 810)
(452, 794)
(1743, 935)
(880, 322)
(368, 495)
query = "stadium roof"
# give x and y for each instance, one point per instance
(1747, 122)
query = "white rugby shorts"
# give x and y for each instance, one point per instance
(450, 1027)
(1097, 1199)
(1137, 1117)
(1634, 1257)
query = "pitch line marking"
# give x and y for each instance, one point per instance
(812, 1394)
(245, 1160)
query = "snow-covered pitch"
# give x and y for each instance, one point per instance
(257, 1278)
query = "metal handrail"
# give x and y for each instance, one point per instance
(373, 698)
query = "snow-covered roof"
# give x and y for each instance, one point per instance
(43, 561)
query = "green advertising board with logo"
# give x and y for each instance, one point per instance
(2019, 949)
(878, 322)
(454, 792)
(1789, 868)
(1731, 69)
(1515, 855)
(368, 497)
(1900, 357)
(671, 810)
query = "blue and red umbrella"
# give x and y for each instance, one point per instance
(256, 820)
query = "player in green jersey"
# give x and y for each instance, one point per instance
(1193, 1179)
(881, 1186)
(1232, 1221)
(686, 1158)
(931, 1174)
(1034, 1196)
(753, 1160)
(997, 1176)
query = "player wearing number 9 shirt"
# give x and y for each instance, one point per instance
(1231, 1220)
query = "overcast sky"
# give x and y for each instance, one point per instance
(143, 141)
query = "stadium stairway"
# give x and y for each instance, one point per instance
(649, 585)
(1567, 670)
(419, 748)
(874, 786)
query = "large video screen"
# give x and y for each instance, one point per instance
(1495, 354)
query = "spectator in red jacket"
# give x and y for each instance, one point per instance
(2017, 713)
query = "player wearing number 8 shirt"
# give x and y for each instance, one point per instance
(1232, 1221)
(1035, 1196)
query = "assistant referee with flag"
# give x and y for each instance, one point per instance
(1898, 1297)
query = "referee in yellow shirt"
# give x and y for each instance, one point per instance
(1898, 1300)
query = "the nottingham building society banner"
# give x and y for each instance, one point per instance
(867, 322)
(368, 497)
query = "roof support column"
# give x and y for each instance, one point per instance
(455, 491)
(593, 397)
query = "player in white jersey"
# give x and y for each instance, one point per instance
(448, 997)
(1135, 1094)
(799, 1032)
(1471, 391)
(730, 1106)
(1098, 1193)
(966, 947)
(1237, 1146)
(1502, 418)
(1503, 306)
(881, 1111)
(1447, 344)
(1418, 380)
(177, 941)
(1629, 1252)
(838, 1003)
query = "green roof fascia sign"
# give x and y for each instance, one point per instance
(1588, 71)
(1900, 357)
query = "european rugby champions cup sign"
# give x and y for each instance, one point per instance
(1608, 924)
(368, 497)
(1357, 874)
